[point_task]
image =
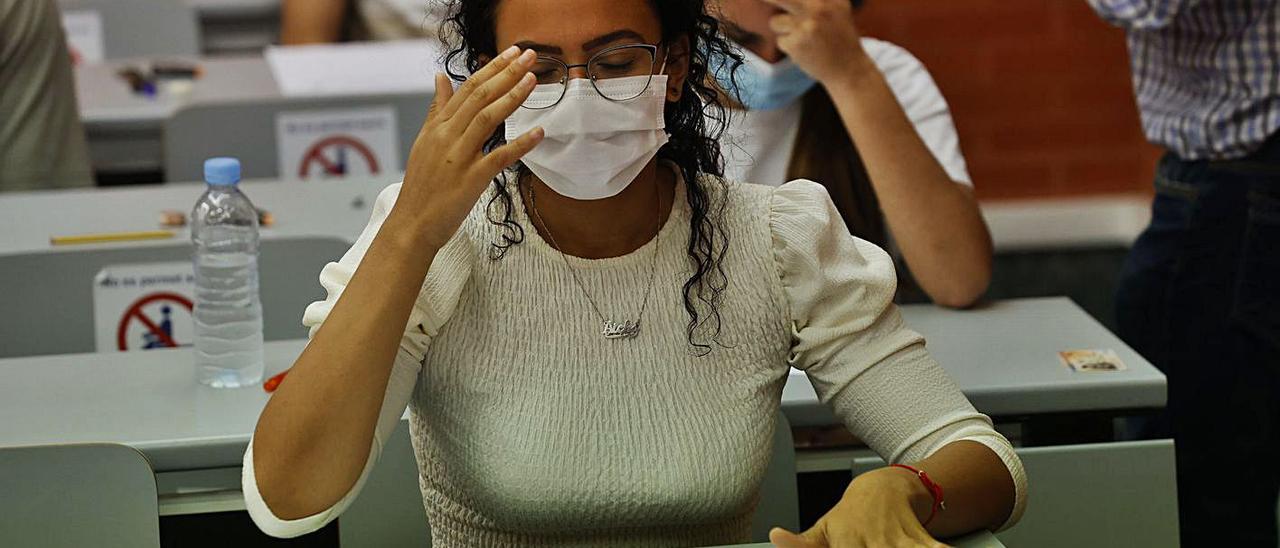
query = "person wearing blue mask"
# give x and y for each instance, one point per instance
(863, 118)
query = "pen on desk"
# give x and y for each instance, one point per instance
(111, 237)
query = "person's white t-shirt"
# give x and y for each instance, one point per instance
(757, 145)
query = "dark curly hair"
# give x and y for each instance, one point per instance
(694, 123)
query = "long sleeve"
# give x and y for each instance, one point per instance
(850, 340)
(923, 104)
(445, 280)
(1141, 14)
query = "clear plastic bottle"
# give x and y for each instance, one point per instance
(228, 311)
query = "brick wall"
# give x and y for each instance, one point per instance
(1039, 89)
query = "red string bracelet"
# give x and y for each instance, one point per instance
(935, 491)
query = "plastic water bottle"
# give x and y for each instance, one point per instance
(228, 311)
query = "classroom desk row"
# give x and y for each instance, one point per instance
(1003, 355)
(150, 399)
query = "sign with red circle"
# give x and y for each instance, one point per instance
(156, 332)
(338, 143)
(332, 155)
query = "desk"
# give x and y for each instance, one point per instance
(1017, 374)
(124, 128)
(338, 209)
(150, 400)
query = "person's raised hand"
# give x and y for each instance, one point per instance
(822, 37)
(448, 168)
(876, 511)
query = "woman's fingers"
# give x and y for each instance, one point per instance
(494, 88)
(493, 115)
(481, 76)
(444, 92)
(792, 6)
(510, 153)
(783, 538)
(783, 23)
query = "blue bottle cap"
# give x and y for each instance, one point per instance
(222, 171)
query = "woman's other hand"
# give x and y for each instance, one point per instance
(880, 509)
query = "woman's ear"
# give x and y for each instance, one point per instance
(677, 68)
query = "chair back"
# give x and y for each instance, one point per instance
(68, 496)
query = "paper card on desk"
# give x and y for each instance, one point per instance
(84, 36)
(143, 306)
(327, 144)
(1092, 361)
(366, 68)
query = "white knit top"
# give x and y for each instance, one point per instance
(530, 428)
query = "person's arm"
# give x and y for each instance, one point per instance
(312, 21)
(935, 220)
(1141, 14)
(877, 377)
(314, 437)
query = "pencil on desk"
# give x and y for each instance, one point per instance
(111, 237)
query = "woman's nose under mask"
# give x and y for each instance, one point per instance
(594, 147)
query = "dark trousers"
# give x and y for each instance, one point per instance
(1200, 298)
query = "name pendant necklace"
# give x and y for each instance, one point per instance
(610, 329)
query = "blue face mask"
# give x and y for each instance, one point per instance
(763, 85)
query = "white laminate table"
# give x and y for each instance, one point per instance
(1003, 357)
(338, 209)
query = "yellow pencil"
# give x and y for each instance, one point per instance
(111, 237)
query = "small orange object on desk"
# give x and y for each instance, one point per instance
(274, 382)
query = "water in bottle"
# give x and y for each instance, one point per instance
(228, 312)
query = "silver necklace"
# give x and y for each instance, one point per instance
(610, 329)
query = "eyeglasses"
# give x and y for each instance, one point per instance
(616, 62)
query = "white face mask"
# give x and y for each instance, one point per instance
(594, 147)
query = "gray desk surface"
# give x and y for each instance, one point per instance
(106, 102)
(319, 208)
(150, 400)
(1004, 356)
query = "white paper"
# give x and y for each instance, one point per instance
(143, 306)
(84, 36)
(365, 68)
(338, 143)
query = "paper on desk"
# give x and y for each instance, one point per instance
(367, 68)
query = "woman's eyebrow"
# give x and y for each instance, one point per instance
(589, 45)
(540, 48)
(597, 43)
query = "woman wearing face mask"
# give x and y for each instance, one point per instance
(863, 118)
(593, 343)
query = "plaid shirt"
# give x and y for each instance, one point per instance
(1206, 72)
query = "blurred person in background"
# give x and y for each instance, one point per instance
(42, 143)
(864, 118)
(1200, 292)
(323, 21)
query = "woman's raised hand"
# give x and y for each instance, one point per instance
(448, 169)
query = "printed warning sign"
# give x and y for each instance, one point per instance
(142, 307)
(84, 36)
(338, 143)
